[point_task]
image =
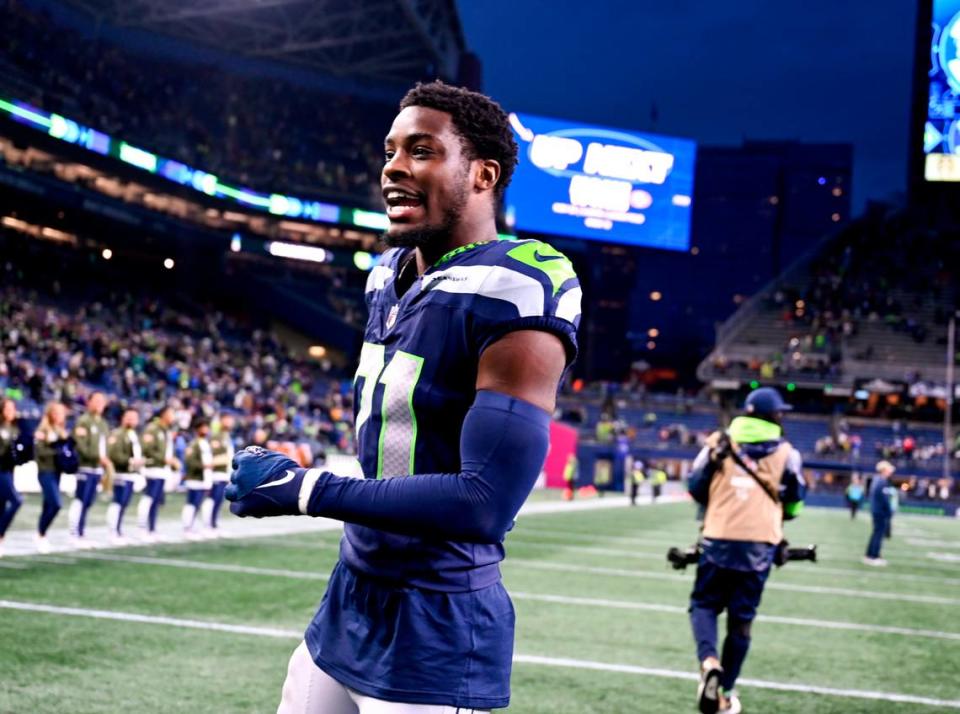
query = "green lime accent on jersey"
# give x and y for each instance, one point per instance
(457, 251)
(750, 430)
(397, 445)
(547, 259)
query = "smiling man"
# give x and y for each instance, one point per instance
(466, 342)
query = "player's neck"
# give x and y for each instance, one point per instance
(464, 234)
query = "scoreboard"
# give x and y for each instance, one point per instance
(601, 184)
(941, 135)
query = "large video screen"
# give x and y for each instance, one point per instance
(941, 136)
(601, 184)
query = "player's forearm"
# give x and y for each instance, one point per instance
(503, 446)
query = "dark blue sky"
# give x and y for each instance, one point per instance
(818, 70)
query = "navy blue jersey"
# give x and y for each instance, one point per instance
(417, 379)
(415, 619)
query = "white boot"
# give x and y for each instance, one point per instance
(143, 512)
(73, 517)
(188, 517)
(206, 512)
(43, 544)
(113, 519)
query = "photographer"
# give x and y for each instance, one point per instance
(749, 479)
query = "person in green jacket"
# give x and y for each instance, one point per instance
(10, 498)
(198, 475)
(637, 477)
(658, 477)
(50, 433)
(90, 435)
(159, 466)
(126, 455)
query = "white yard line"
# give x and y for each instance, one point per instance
(20, 542)
(518, 658)
(519, 595)
(201, 565)
(757, 683)
(790, 587)
(12, 565)
(646, 538)
(774, 619)
(520, 539)
(934, 543)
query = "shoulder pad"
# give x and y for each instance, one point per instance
(544, 261)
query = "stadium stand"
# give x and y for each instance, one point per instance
(70, 328)
(870, 303)
(265, 133)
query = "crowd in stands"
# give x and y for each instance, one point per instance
(259, 132)
(859, 277)
(883, 269)
(143, 353)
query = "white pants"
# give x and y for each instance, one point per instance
(310, 690)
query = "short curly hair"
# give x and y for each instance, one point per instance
(481, 123)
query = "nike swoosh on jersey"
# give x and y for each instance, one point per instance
(545, 258)
(279, 482)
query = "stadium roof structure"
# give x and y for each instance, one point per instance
(380, 40)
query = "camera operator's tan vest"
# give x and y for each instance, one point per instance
(738, 508)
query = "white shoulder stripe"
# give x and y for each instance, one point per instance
(492, 281)
(568, 306)
(378, 278)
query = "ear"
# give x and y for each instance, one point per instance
(487, 175)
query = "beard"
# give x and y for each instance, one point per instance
(428, 237)
(425, 237)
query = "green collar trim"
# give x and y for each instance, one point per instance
(446, 257)
(750, 430)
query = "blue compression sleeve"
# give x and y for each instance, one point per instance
(503, 445)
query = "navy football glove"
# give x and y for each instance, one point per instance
(264, 483)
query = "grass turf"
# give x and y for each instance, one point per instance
(54, 662)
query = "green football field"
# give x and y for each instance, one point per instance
(208, 627)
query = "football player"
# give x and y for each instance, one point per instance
(466, 341)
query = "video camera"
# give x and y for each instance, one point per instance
(680, 558)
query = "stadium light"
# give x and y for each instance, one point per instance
(362, 260)
(653, 332)
(107, 254)
(299, 252)
(317, 351)
(168, 263)
(651, 345)
(656, 295)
